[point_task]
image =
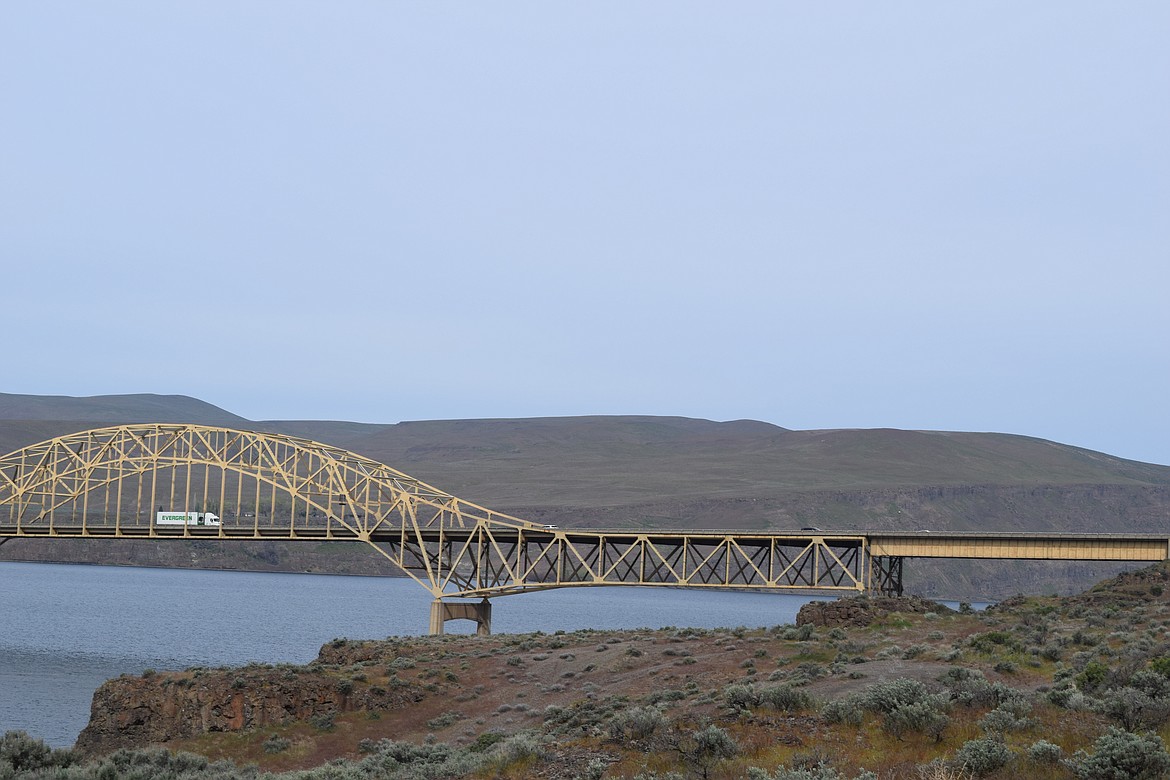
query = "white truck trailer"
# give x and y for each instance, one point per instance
(186, 518)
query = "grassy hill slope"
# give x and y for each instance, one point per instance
(111, 409)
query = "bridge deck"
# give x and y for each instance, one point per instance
(920, 544)
(1023, 546)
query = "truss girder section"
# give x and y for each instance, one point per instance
(495, 562)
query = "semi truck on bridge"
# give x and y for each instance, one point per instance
(186, 518)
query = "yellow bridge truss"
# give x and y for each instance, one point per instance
(118, 482)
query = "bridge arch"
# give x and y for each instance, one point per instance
(232, 484)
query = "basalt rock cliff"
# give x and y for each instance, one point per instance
(862, 611)
(161, 707)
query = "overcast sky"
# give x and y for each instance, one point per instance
(822, 215)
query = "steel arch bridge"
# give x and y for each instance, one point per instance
(118, 482)
(166, 481)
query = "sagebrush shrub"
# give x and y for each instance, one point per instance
(924, 717)
(982, 756)
(24, 753)
(1123, 755)
(887, 696)
(785, 698)
(741, 697)
(1045, 752)
(636, 723)
(821, 771)
(1134, 709)
(276, 744)
(844, 711)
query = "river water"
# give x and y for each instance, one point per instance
(65, 629)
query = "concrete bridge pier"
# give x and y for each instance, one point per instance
(479, 611)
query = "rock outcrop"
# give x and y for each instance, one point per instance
(863, 610)
(158, 707)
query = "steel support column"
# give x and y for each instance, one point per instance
(886, 574)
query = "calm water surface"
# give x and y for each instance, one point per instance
(66, 629)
